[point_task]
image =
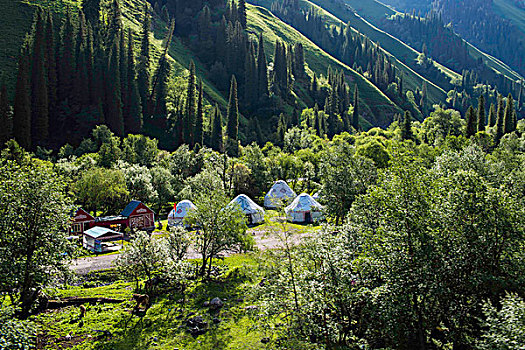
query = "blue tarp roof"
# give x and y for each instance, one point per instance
(97, 232)
(129, 208)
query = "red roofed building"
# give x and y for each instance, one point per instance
(136, 216)
(81, 221)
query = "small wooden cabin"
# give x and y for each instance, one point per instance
(81, 221)
(136, 216)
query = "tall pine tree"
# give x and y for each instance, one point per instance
(406, 126)
(241, 13)
(91, 9)
(133, 110)
(39, 95)
(216, 139)
(22, 104)
(472, 122)
(199, 120)
(492, 115)
(500, 126)
(143, 74)
(190, 115)
(355, 114)
(232, 128)
(262, 68)
(508, 122)
(51, 69)
(481, 113)
(66, 59)
(113, 106)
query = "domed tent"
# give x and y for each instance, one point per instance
(254, 213)
(177, 215)
(279, 194)
(304, 209)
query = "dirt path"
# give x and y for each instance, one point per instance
(263, 241)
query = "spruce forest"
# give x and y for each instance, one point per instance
(262, 174)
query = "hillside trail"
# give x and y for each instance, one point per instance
(264, 239)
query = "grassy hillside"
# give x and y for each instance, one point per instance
(404, 56)
(375, 11)
(413, 80)
(380, 108)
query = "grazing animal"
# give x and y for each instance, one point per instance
(142, 300)
(82, 311)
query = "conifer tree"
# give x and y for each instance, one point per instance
(232, 128)
(520, 93)
(250, 77)
(423, 102)
(6, 131)
(262, 76)
(281, 129)
(199, 121)
(80, 94)
(355, 114)
(91, 9)
(472, 122)
(406, 126)
(51, 69)
(161, 93)
(299, 70)
(66, 59)
(492, 115)
(22, 103)
(241, 13)
(189, 115)
(114, 26)
(39, 95)
(481, 113)
(500, 119)
(143, 73)
(133, 110)
(280, 68)
(216, 141)
(232, 15)
(123, 65)
(113, 106)
(508, 122)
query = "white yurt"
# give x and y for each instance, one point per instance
(304, 209)
(254, 213)
(177, 215)
(279, 194)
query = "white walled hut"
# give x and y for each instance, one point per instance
(304, 209)
(254, 213)
(177, 215)
(279, 194)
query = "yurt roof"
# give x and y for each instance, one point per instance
(247, 205)
(304, 202)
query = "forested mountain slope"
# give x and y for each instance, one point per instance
(432, 72)
(386, 17)
(219, 44)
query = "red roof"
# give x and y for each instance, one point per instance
(82, 216)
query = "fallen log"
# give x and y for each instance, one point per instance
(75, 301)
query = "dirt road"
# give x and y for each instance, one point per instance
(263, 241)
